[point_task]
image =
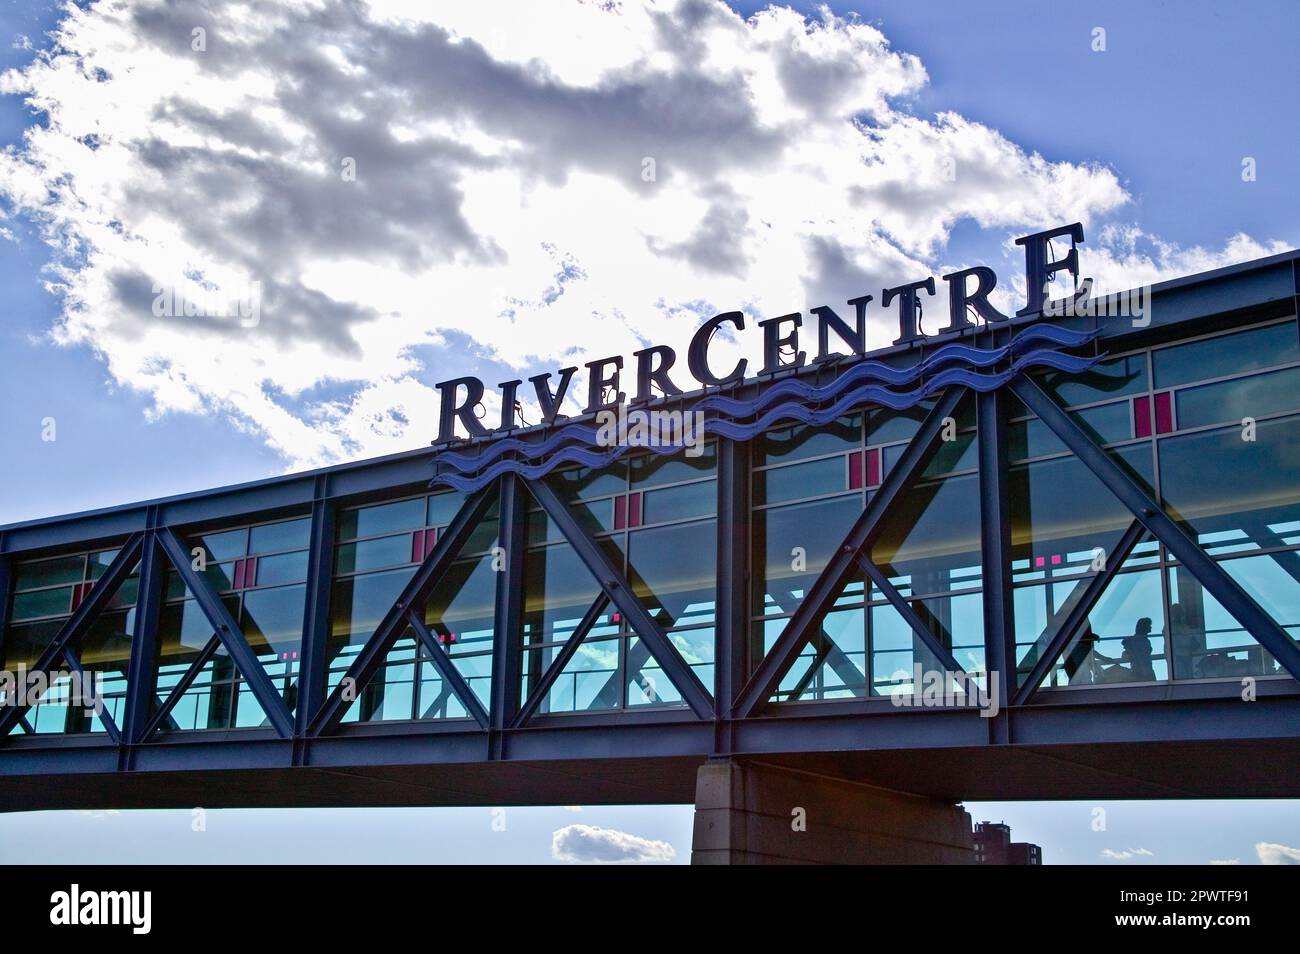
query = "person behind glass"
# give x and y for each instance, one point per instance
(1137, 652)
(1080, 661)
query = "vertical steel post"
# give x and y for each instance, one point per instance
(316, 615)
(995, 556)
(731, 623)
(142, 667)
(508, 618)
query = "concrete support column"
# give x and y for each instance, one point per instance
(755, 813)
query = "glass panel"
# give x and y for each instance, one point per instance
(1255, 396)
(646, 683)
(357, 606)
(37, 573)
(224, 546)
(443, 508)
(282, 568)
(1061, 514)
(814, 478)
(1224, 487)
(437, 699)
(673, 571)
(373, 554)
(461, 613)
(55, 602)
(957, 454)
(885, 426)
(832, 664)
(1226, 354)
(930, 542)
(651, 470)
(272, 620)
(697, 647)
(273, 537)
(1111, 378)
(586, 482)
(23, 645)
(678, 503)
(1124, 638)
(557, 593)
(792, 546)
(1208, 642)
(541, 649)
(382, 518)
(589, 680)
(792, 443)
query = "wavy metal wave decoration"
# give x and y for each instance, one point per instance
(540, 458)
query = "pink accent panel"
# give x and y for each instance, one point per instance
(620, 513)
(873, 467)
(1056, 559)
(1040, 561)
(430, 541)
(417, 546)
(634, 510)
(855, 471)
(238, 582)
(1142, 416)
(1164, 413)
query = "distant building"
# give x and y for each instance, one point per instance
(993, 846)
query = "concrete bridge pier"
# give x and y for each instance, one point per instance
(750, 812)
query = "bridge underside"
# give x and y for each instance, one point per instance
(1194, 769)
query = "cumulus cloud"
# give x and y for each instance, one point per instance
(1126, 853)
(417, 192)
(587, 843)
(1271, 853)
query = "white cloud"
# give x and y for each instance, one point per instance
(1271, 853)
(587, 843)
(1126, 854)
(499, 219)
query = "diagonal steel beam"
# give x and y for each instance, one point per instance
(543, 687)
(1074, 611)
(620, 593)
(910, 616)
(228, 631)
(179, 690)
(831, 580)
(450, 674)
(105, 717)
(1164, 528)
(427, 575)
(80, 620)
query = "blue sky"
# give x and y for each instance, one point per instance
(1164, 115)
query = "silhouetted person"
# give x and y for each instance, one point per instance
(1137, 652)
(1079, 662)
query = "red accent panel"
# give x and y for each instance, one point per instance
(250, 572)
(620, 513)
(634, 510)
(417, 546)
(855, 470)
(238, 582)
(430, 541)
(1142, 416)
(873, 467)
(79, 592)
(1164, 413)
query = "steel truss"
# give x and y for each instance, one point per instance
(743, 689)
